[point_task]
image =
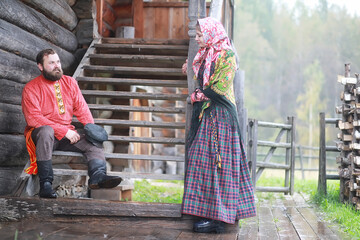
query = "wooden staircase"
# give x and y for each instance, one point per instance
(124, 80)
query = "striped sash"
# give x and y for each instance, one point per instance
(30, 146)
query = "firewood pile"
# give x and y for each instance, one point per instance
(349, 139)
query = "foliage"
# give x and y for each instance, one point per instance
(335, 211)
(162, 192)
(289, 53)
(310, 102)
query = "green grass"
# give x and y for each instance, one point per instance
(335, 211)
(158, 191)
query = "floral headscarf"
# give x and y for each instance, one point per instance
(216, 39)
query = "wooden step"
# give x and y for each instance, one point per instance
(171, 50)
(125, 108)
(126, 156)
(162, 140)
(134, 95)
(135, 71)
(134, 81)
(125, 175)
(146, 41)
(128, 123)
(137, 60)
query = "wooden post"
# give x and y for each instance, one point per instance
(99, 15)
(216, 9)
(197, 8)
(288, 157)
(291, 120)
(239, 82)
(301, 161)
(138, 17)
(322, 157)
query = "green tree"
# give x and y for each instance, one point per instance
(310, 104)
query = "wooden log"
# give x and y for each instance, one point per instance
(84, 31)
(17, 13)
(16, 68)
(83, 9)
(345, 125)
(58, 10)
(28, 45)
(11, 118)
(345, 137)
(8, 178)
(10, 91)
(346, 80)
(13, 150)
(347, 97)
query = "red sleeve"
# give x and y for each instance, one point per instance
(33, 116)
(81, 109)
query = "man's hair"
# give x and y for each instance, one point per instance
(41, 54)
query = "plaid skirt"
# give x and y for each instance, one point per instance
(225, 193)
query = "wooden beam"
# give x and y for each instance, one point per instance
(97, 208)
(138, 17)
(70, 172)
(99, 15)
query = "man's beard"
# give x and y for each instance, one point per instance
(54, 75)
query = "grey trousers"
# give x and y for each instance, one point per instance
(46, 143)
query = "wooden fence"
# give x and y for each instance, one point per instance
(323, 176)
(304, 155)
(257, 167)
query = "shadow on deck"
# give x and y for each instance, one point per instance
(286, 217)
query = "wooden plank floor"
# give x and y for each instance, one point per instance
(282, 217)
(288, 217)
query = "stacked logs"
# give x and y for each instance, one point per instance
(349, 144)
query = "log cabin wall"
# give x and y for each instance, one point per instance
(27, 27)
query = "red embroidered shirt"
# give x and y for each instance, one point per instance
(45, 102)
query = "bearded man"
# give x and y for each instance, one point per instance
(49, 103)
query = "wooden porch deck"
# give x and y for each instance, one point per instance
(285, 217)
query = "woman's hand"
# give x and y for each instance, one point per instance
(184, 67)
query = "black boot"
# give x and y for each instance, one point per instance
(98, 177)
(46, 176)
(208, 226)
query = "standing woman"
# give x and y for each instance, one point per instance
(217, 187)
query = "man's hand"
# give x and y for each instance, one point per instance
(73, 136)
(184, 67)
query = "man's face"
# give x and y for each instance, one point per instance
(51, 68)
